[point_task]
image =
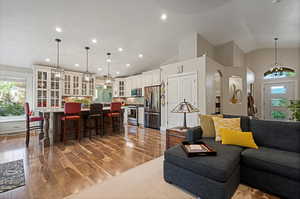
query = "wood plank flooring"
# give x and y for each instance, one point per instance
(63, 170)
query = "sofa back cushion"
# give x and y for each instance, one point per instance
(276, 134)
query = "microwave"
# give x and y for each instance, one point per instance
(136, 92)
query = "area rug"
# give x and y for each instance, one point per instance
(146, 182)
(11, 175)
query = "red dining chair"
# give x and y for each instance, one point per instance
(115, 115)
(31, 119)
(71, 113)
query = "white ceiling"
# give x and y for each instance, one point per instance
(27, 29)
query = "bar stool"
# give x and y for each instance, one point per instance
(71, 113)
(30, 119)
(115, 115)
(95, 114)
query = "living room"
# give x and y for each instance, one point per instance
(104, 99)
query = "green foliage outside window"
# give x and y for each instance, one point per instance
(294, 107)
(12, 98)
(278, 115)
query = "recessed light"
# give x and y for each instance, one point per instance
(58, 29)
(118, 73)
(100, 69)
(164, 17)
(127, 65)
(47, 60)
(108, 60)
(77, 65)
(141, 55)
(94, 41)
(120, 49)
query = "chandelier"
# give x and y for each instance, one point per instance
(57, 71)
(87, 75)
(277, 69)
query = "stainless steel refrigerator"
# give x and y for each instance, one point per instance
(152, 107)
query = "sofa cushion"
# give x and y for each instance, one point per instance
(275, 161)
(275, 134)
(218, 168)
(244, 121)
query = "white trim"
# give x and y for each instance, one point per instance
(275, 81)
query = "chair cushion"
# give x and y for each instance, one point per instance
(71, 117)
(35, 119)
(218, 168)
(94, 115)
(113, 114)
(283, 163)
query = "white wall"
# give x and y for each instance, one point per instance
(261, 60)
(187, 47)
(204, 47)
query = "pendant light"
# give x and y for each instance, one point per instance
(108, 77)
(58, 72)
(277, 69)
(87, 75)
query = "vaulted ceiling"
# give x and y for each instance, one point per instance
(27, 29)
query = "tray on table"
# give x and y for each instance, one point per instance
(198, 148)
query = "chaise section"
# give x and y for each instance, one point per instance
(214, 176)
(283, 163)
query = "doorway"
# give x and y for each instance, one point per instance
(276, 100)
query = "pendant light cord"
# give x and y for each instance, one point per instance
(87, 58)
(276, 46)
(57, 60)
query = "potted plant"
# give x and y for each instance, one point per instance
(294, 107)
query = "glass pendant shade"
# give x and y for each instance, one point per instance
(108, 79)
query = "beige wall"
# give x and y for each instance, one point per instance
(204, 47)
(261, 60)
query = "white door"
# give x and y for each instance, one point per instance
(276, 100)
(179, 88)
(173, 100)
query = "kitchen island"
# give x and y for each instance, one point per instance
(52, 125)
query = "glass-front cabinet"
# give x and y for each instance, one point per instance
(41, 88)
(50, 90)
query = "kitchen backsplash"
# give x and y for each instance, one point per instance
(129, 100)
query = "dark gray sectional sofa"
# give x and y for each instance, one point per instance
(273, 168)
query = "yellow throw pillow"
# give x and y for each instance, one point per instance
(239, 138)
(207, 125)
(229, 123)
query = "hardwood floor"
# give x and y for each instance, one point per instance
(63, 170)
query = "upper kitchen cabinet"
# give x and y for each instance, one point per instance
(151, 78)
(49, 89)
(119, 87)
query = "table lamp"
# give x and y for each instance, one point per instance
(184, 107)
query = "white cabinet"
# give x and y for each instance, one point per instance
(141, 115)
(151, 78)
(75, 85)
(156, 77)
(49, 89)
(119, 87)
(128, 87)
(176, 92)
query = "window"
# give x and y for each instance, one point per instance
(12, 98)
(278, 90)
